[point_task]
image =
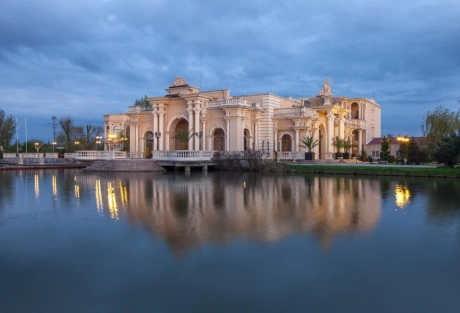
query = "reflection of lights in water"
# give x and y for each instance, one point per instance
(54, 186)
(402, 196)
(123, 195)
(244, 184)
(112, 201)
(77, 194)
(98, 192)
(37, 186)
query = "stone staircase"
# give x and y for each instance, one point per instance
(128, 165)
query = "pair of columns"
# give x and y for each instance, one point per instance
(158, 114)
(195, 127)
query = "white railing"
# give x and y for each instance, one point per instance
(183, 155)
(295, 112)
(356, 123)
(233, 102)
(135, 155)
(290, 155)
(138, 108)
(90, 155)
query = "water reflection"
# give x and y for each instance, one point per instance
(190, 211)
(402, 196)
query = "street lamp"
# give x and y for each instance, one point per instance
(157, 136)
(54, 144)
(98, 142)
(37, 146)
(199, 135)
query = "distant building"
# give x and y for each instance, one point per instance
(217, 120)
(374, 145)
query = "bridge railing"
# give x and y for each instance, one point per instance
(91, 155)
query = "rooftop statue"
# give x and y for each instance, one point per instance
(179, 82)
(326, 91)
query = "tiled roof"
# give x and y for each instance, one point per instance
(394, 141)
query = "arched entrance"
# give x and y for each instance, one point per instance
(148, 144)
(355, 110)
(246, 141)
(181, 135)
(286, 143)
(219, 140)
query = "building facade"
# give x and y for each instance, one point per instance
(216, 120)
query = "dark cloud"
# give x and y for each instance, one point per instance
(96, 57)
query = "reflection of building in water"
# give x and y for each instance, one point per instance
(213, 209)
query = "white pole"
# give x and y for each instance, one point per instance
(17, 137)
(25, 124)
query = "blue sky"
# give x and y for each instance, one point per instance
(88, 58)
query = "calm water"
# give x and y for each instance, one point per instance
(227, 242)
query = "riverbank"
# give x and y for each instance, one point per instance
(380, 170)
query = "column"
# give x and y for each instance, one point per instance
(330, 134)
(197, 110)
(227, 132)
(203, 126)
(154, 124)
(342, 127)
(316, 137)
(360, 141)
(256, 135)
(278, 141)
(204, 136)
(190, 123)
(297, 142)
(161, 128)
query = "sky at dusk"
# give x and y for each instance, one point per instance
(88, 58)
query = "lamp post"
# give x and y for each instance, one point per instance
(37, 146)
(199, 135)
(76, 143)
(98, 142)
(157, 136)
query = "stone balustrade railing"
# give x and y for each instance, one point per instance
(182, 155)
(234, 102)
(295, 112)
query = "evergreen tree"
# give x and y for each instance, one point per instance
(385, 148)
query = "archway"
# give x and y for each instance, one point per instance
(148, 144)
(181, 135)
(355, 110)
(246, 141)
(286, 143)
(219, 139)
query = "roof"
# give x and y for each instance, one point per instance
(394, 140)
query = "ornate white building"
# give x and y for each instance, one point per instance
(217, 120)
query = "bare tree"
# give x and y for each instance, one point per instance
(67, 128)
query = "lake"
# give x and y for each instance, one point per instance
(72, 241)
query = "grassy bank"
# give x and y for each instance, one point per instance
(377, 171)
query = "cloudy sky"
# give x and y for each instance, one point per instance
(88, 58)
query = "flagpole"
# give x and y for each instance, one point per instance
(17, 137)
(25, 124)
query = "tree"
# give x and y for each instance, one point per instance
(309, 143)
(67, 128)
(7, 129)
(448, 150)
(385, 148)
(338, 142)
(183, 136)
(438, 124)
(142, 102)
(86, 136)
(347, 145)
